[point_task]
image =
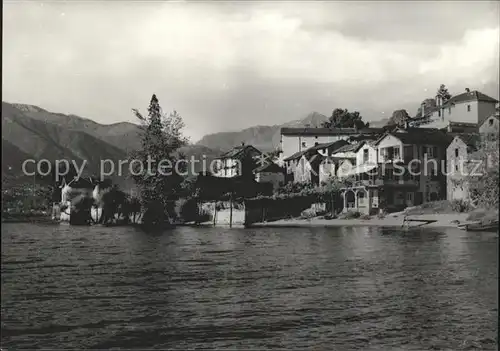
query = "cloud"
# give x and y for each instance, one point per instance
(233, 65)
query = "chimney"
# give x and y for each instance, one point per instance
(467, 90)
(438, 101)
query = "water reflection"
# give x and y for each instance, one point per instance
(355, 288)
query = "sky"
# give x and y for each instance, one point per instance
(231, 65)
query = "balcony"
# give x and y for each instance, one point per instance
(401, 182)
(369, 182)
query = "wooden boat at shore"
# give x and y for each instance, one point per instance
(479, 227)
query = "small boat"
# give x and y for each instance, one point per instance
(479, 227)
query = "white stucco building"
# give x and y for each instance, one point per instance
(457, 165)
(382, 175)
(469, 107)
(295, 140)
(233, 162)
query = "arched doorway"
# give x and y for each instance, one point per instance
(434, 196)
(350, 199)
(362, 198)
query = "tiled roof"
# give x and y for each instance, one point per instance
(295, 156)
(495, 115)
(471, 140)
(332, 146)
(421, 136)
(270, 167)
(327, 131)
(80, 183)
(238, 151)
(360, 144)
(469, 96)
(347, 148)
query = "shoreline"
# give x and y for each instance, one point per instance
(441, 221)
(392, 220)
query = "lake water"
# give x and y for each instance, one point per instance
(327, 289)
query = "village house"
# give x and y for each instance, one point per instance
(295, 140)
(461, 113)
(239, 161)
(313, 164)
(458, 156)
(461, 156)
(382, 176)
(362, 195)
(270, 173)
(489, 128)
(72, 192)
(303, 167)
(344, 159)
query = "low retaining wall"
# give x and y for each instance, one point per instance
(266, 209)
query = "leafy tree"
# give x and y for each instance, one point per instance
(162, 137)
(344, 119)
(443, 93)
(113, 201)
(399, 118)
(429, 105)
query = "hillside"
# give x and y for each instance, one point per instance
(25, 137)
(265, 138)
(33, 132)
(123, 135)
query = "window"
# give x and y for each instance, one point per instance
(389, 153)
(456, 152)
(408, 153)
(449, 110)
(316, 144)
(468, 108)
(409, 196)
(365, 156)
(456, 168)
(439, 113)
(390, 175)
(303, 144)
(396, 152)
(490, 121)
(435, 151)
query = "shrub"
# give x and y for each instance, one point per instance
(381, 214)
(219, 206)
(461, 206)
(204, 216)
(309, 213)
(350, 215)
(330, 216)
(365, 217)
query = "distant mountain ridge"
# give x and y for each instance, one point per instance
(124, 135)
(265, 138)
(30, 131)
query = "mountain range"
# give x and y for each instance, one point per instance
(31, 132)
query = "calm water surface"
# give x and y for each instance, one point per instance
(326, 289)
